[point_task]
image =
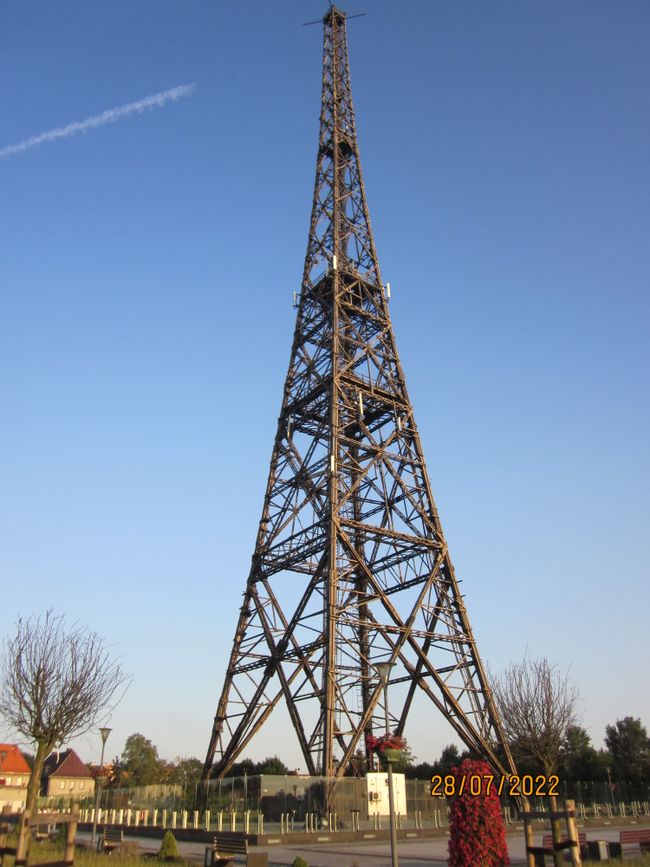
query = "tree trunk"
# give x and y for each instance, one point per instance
(34, 787)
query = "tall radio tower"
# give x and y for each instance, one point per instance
(350, 566)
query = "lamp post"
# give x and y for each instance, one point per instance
(104, 732)
(383, 670)
(611, 788)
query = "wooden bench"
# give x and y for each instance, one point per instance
(111, 839)
(547, 844)
(636, 837)
(226, 846)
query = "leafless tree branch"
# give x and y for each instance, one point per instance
(57, 683)
(537, 704)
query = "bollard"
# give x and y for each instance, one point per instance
(174, 814)
(207, 820)
(184, 819)
(335, 823)
(196, 820)
(145, 818)
(220, 821)
(120, 816)
(128, 817)
(247, 822)
(164, 819)
(233, 821)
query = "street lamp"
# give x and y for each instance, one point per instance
(104, 732)
(611, 788)
(383, 670)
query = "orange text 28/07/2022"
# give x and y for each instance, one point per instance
(512, 786)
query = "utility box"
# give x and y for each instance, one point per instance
(377, 794)
(598, 850)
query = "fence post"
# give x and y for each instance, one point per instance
(23, 838)
(528, 835)
(196, 820)
(207, 820)
(247, 822)
(70, 834)
(572, 833)
(556, 828)
(174, 819)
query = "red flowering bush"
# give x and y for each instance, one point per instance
(385, 742)
(477, 833)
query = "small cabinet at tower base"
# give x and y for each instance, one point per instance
(377, 794)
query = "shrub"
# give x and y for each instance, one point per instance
(477, 834)
(299, 862)
(168, 848)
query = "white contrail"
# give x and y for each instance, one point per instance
(109, 116)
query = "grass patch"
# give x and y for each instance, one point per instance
(42, 852)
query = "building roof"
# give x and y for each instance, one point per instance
(12, 761)
(65, 763)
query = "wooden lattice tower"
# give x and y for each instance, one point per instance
(350, 566)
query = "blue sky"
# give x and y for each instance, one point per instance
(146, 277)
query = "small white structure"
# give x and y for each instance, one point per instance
(377, 794)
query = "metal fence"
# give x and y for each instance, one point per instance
(285, 804)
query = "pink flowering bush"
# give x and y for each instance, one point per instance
(477, 833)
(385, 742)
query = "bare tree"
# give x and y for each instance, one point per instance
(57, 683)
(537, 704)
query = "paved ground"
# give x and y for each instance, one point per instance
(412, 853)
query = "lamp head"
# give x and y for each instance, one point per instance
(105, 732)
(383, 670)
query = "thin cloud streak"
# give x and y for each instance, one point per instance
(158, 100)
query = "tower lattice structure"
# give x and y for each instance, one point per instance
(350, 565)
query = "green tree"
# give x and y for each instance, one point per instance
(579, 761)
(140, 761)
(185, 771)
(629, 746)
(271, 765)
(449, 758)
(246, 766)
